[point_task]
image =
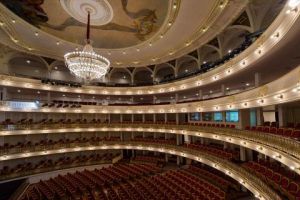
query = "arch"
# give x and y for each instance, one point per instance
(162, 71)
(231, 38)
(186, 64)
(27, 65)
(120, 76)
(209, 53)
(252, 183)
(59, 71)
(142, 75)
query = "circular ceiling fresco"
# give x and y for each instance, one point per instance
(115, 23)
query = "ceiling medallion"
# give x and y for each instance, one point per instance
(86, 64)
(100, 10)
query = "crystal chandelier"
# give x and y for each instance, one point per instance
(86, 64)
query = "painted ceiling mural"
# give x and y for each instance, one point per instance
(133, 21)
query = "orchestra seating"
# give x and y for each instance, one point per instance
(133, 181)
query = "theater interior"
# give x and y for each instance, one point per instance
(149, 100)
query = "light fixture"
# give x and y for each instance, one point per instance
(86, 64)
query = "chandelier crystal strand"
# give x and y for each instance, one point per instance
(86, 64)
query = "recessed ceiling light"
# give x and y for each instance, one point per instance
(228, 88)
(78, 96)
(36, 33)
(161, 36)
(57, 43)
(197, 94)
(63, 95)
(18, 91)
(247, 84)
(137, 49)
(170, 23)
(210, 91)
(13, 21)
(93, 97)
(204, 62)
(229, 51)
(186, 70)
(55, 68)
(28, 61)
(38, 92)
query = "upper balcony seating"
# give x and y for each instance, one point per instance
(292, 131)
(61, 83)
(282, 179)
(205, 67)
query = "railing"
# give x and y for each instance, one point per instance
(23, 173)
(253, 183)
(281, 143)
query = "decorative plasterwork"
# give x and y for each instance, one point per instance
(260, 189)
(273, 36)
(282, 90)
(100, 10)
(218, 18)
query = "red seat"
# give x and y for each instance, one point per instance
(285, 183)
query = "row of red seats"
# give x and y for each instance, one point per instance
(215, 150)
(217, 180)
(22, 146)
(49, 164)
(286, 132)
(155, 140)
(216, 125)
(148, 159)
(80, 183)
(287, 185)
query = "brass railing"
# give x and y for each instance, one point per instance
(284, 144)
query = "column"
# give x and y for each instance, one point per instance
(281, 116)
(154, 118)
(177, 118)
(166, 118)
(109, 118)
(244, 116)
(177, 139)
(223, 90)
(121, 118)
(132, 118)
(200, 95)
(242, 153)
(176, 98)
(4, 94)
(257, 79)
(166, 158)
(154, 99)
(143, 118)
(249, 153)
(48, 97)
(259, 116)
(178, 160)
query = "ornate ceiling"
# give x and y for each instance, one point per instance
(129, 33)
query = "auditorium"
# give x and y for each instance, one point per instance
(149, 100)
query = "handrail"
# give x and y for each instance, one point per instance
(252, 183)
